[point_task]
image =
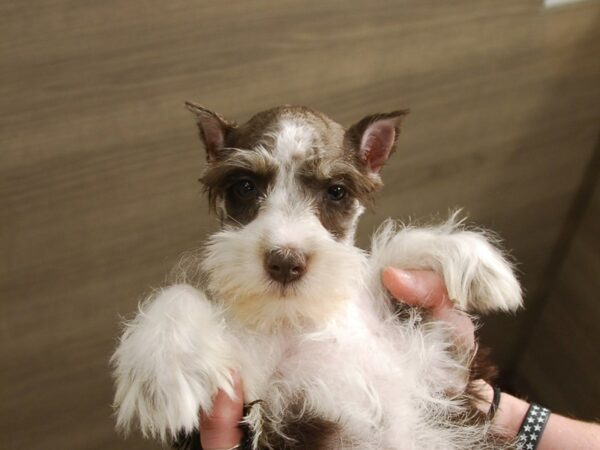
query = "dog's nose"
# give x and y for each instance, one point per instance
(285, 264)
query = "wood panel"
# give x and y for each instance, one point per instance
(99, 159)
(561, 362)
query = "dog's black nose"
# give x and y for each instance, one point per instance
(285, 264)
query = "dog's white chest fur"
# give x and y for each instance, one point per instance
(349, 373)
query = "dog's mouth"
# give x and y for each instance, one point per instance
(284, 290)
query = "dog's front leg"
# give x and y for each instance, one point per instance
(476, 273)
(170, 361)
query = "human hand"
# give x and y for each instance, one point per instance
(426, 289)
(220, 429)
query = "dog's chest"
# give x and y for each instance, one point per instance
(344, 376)
(337, 366)
(286, 360)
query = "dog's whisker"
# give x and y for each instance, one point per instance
(235, 221)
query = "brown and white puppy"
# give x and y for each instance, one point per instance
(288, 300)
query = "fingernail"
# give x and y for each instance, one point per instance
(404, 276)
(410, 284)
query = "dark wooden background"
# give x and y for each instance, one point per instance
(99, 161)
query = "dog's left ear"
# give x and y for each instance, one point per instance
(373, 139)
(213, 129)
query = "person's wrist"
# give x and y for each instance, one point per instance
(510, 415)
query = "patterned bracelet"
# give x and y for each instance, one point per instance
(532, 427)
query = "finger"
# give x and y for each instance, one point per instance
(426, 289)
(220, 429)
(463, 327)
(417, 287)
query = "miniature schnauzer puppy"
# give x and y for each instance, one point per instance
(328, 360)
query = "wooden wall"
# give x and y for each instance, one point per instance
(559, 362)
(99, 158)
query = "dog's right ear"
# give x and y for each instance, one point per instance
(213, 129)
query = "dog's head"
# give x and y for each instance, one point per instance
(288, 187)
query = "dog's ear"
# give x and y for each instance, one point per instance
(213, 129)
(373, 138)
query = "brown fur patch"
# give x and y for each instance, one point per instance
(253, 132)
(308, 433)
(301, 430)
(482, 368)
(220, 178)
(187, 441)
(324, 172)
(318, 174)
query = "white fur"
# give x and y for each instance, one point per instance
(293, 140)
(238, 280)
(477, 275)
(333, 336)
(172, 358)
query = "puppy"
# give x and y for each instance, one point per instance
(328, 361)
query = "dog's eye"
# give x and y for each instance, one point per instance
(245, 189)
(336, 192)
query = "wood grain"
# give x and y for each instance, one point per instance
(99, 158)
(560, 362)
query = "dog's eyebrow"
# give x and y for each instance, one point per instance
(321, 171)
(257, 161)
(218, 175)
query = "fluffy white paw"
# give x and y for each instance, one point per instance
(477, 274)
(170, 361)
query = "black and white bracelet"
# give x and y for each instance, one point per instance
(532, 427)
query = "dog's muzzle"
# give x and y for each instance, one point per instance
(285, 265)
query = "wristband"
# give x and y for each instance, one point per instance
(495, 402)
(532, 427)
